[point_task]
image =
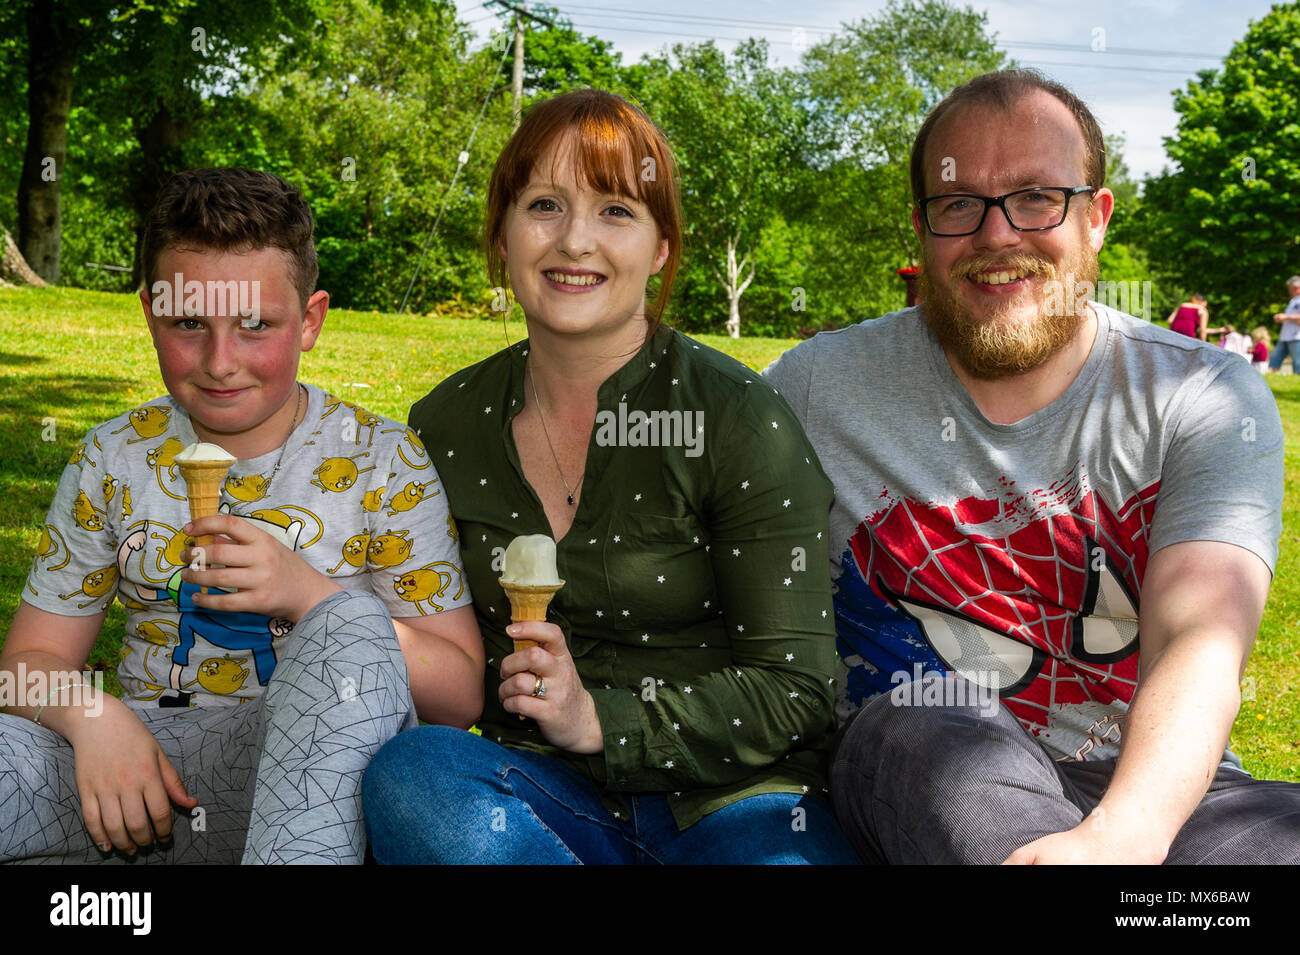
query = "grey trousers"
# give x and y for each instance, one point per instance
(277, 780)
(943, 784)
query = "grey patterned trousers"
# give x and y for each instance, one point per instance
(278, 780)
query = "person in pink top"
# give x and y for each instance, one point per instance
(1191, 318)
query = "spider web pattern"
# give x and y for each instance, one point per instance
(1018, 564)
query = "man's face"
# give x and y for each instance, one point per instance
(235, 376)
(991, 326)
(1293, 289)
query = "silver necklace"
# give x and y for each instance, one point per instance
(280, 457)
(541, 417)
(292, 425)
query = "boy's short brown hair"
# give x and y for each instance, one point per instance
(232, 209)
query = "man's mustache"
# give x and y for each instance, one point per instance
(1016, 262)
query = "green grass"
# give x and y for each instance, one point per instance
(78, 358)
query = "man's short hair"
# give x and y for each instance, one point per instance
(232, 210)
(1002, 90)
(1293, 280)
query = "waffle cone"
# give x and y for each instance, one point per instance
(529, 602)
(203, 481)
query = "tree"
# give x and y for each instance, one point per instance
(1227, 212)
(737, 129)
(879, 78)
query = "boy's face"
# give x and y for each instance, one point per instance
(234, 375)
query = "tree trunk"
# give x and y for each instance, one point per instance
(734, 285)
(13, 267)
(160, 140)
(51, 59)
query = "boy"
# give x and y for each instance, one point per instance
(270, 654)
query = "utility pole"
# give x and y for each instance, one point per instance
(517, 79)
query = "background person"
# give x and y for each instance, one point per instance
(1288, 339)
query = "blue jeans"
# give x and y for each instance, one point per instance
(1279, 353)
(441, 795)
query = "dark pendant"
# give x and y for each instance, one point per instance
(570, 498)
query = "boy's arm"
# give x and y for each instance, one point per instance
(123, 778)
(445, 659)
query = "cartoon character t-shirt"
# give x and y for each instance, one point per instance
(355, 495)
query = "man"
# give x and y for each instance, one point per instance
(1288, 340)
(1043, 540)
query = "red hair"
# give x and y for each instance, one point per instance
(613, 143)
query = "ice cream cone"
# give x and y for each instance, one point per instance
(203, 481)
(529, 602)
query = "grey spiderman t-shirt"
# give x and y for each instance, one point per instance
(1014, 554)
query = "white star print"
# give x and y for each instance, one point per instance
(819, 535)
(481, 483)
(669, 765)
(451, 454)
(637, 498)
(652, 364)
(695, 540)
(686, 689)
(661, 578)
(485, 538)
(514, 513)
(622, 741)
(462, 384)
(645, 638)
(805, 788)
(794, 695)
(775, 426)
(660, 682)
(794, 738)
(786, 502)
(740, 628)
(592, 541)
(600, 613)
(616, 538)
(674, 381)
(735, 552)
(823, 613)
(787, 581)
(744, 485)
(677, 726)
(487, 410)
(626, 613)
(789, 657)
(706, 604)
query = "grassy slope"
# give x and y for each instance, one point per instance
(79, 358)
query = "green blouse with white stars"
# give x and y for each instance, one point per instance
(697, 602)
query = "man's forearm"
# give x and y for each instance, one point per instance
(1174, 737)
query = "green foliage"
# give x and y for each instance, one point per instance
(1226, 214)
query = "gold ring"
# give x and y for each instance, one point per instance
(539, 689)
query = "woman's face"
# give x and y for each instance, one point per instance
(578, 259)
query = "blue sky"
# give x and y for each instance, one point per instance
(1152, 46)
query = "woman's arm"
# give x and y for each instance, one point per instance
(769, 688)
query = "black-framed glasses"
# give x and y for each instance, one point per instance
(1027, 210)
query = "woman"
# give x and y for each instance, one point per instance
(679, 706)
(1192, 318)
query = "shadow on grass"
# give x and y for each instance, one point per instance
(10, 358)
